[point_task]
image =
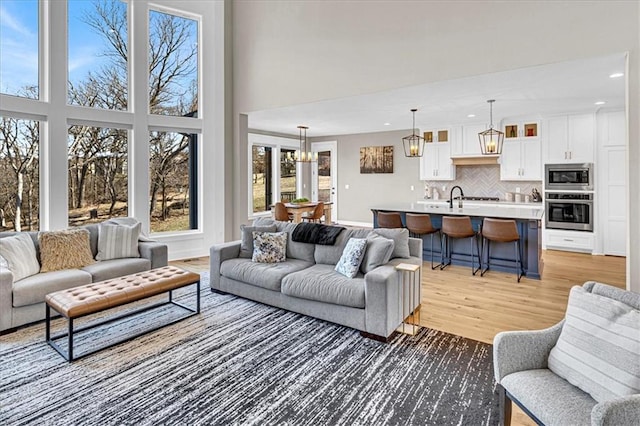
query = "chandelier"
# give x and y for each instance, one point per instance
(414, 143)
(304, 155)
(491, 140)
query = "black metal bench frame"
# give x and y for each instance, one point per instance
(69, 356)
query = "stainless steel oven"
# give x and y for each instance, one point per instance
(562, 177)
(569, 210)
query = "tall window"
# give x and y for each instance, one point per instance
(287, 174)
(272, 171)
(19, 48)
(19, 174)
(173, 64)
(98, 54)
(98, 183)
(173, 175)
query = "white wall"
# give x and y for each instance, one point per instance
(288, 53)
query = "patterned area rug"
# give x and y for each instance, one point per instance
(244, 363)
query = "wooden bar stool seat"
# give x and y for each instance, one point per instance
(389, 220)
(503, 231)
(459, 227)
(419, 225)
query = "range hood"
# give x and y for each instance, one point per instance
(475, 161)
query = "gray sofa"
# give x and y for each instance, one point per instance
(308, 284)
(525, 373)
(22, 302)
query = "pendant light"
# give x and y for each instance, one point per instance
(491, 140)
(304, 155)
(414, 143)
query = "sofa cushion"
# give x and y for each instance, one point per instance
(296, 250)
(68, 249)
(246, 245)
(33, 289)
(265, 275)
(118, 241)
(330, 255)
(378, 252)
(107, 269)
(553, 400)
(19, 251)
(349, 263)
(598, 349)
(269, 247)
(321, 283)
(400, 239)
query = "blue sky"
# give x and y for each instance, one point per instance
(19, 43)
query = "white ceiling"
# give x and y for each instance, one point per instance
(536, 91)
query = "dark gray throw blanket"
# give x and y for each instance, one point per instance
(316, 233)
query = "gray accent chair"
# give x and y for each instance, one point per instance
(306, 282)
(522, 373)
(22, 302)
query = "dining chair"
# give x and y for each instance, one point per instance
(316, 215)
(281, 213)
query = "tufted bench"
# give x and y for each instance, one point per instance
(90, 299)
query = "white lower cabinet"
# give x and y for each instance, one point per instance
(436, 162)
(569, 240)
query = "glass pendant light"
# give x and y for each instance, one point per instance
(414, 143)
(491, 140)
(304, 155)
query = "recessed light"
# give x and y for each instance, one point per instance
(471, 115)
(387, 124)
(616, 75)
(600, 103)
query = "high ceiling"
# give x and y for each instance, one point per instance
(532, 92)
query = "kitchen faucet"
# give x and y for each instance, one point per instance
(451, 196)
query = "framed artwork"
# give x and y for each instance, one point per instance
(376, 159)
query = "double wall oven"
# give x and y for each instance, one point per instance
(569, 196)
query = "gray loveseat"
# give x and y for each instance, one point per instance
(22, 302)
(526, 366)
(308, 284)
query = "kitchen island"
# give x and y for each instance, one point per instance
(528, 221)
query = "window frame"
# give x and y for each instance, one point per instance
(276, 143)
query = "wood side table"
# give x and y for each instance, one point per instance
(408, 276)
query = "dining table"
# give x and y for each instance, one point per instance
(296, 210)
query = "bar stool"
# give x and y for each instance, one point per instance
(389, 220)
(459, 227)
(503, 231)
(419, 225)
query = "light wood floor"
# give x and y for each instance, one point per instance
(479, 307)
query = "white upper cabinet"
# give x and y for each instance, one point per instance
(436, 162)
(521, 157)
(570, 139)
(468, 144)
(521, 160)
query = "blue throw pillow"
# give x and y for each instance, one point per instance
(351, 258)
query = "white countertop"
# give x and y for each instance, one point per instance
(520, 211)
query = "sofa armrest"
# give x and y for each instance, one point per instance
(381, 292)
(156, 252)
(415, 247)
(523, 350)
(6, 299)
(218, 254)
(620, 411)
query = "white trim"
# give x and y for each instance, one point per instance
(354, 223)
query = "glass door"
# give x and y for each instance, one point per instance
(324, 175)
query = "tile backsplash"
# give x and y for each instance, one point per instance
(481, 181)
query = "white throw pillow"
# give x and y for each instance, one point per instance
(20, 254)
(269, 247)
(351, 258)
(118, 241)
(598, 349)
